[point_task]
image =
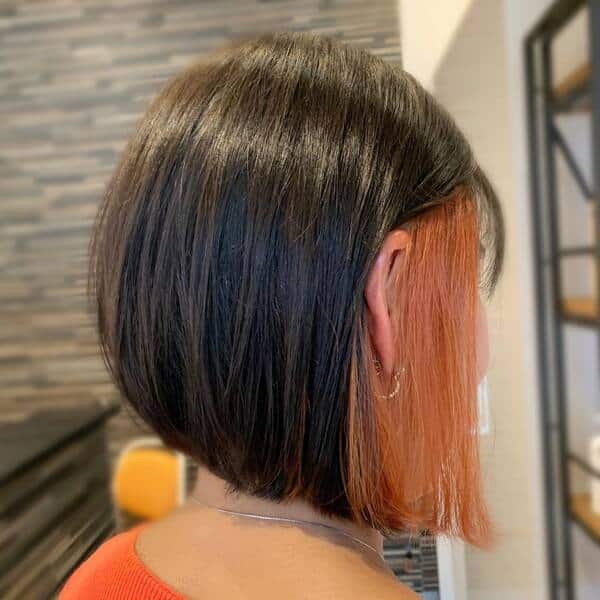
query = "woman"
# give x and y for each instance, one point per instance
(287, 266)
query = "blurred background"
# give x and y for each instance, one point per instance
(522, 79)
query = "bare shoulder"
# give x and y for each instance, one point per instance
(211, 555)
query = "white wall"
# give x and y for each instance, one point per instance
(427, 29)
(478, 77)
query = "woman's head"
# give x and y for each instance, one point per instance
(240, 309)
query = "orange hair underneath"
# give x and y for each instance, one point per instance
(413, 459)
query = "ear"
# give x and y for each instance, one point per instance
(381, 297)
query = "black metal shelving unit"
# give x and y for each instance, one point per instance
(548, 98)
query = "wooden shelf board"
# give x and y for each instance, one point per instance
(583, 308)
(581, 511)
(574, 81)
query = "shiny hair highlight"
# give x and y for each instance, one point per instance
(228, 268)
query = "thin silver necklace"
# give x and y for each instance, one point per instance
(288, 520)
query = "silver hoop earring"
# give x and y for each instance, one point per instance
(397, 377)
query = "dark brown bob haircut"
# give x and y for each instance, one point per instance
(229, 262)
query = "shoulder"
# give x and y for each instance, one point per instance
(114, 572)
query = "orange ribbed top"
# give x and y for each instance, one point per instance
(114, 572)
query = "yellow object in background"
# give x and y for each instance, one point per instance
(148, 479)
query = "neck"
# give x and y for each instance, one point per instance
(213, 491)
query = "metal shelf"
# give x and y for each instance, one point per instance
(582, 311)
(573, 92)
(571, 251)
(584, 516)
(584, 465)
(546, 99)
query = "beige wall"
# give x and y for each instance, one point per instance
(427, 29)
